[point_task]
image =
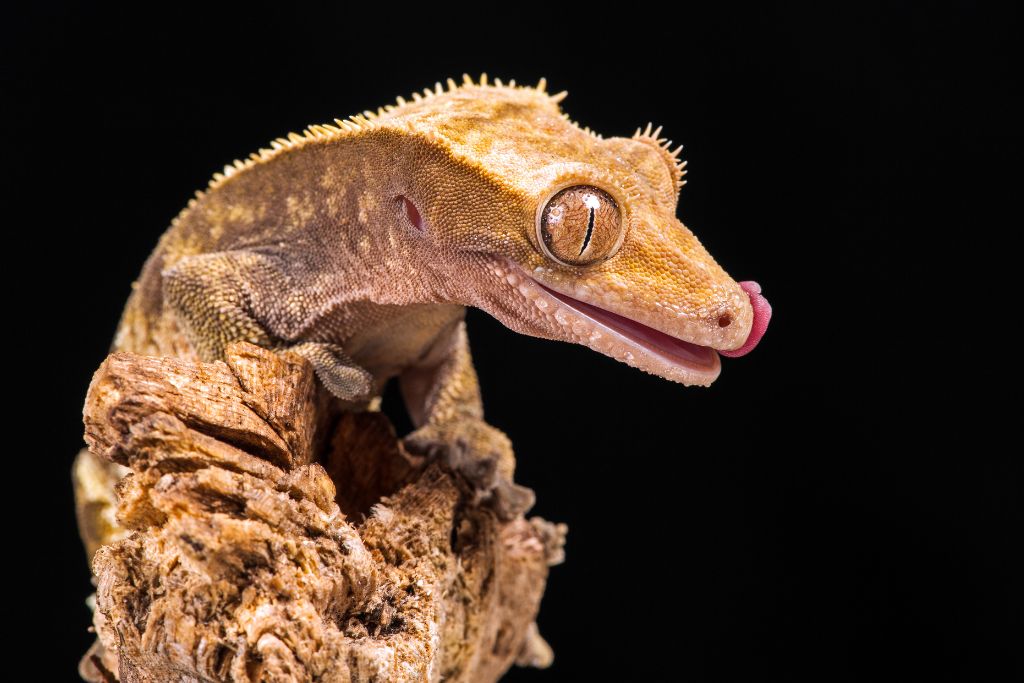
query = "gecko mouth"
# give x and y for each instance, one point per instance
(656, 340)
(629, 341)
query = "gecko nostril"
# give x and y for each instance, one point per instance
(724, 320)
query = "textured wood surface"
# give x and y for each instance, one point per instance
(272, 539)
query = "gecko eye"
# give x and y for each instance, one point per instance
(580, 225)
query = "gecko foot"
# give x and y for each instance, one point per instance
(482, 456)
(342, 377)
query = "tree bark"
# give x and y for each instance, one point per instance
(272, 539)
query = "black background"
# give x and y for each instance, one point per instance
(839, 506)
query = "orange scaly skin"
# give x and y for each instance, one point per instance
(359, 244)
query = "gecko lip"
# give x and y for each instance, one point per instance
(657, 340)
(644, 347)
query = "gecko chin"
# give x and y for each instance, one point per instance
(617, 336)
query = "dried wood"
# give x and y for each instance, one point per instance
(271, 539)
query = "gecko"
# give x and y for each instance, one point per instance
(359, 244)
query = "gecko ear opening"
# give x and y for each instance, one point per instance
(412, 213)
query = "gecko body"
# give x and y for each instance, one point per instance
(359, 244)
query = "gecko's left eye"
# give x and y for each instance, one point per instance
(580, 225)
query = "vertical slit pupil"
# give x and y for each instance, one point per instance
(590, 231)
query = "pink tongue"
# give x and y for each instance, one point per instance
(762, 314)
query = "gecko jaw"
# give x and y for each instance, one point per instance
(687, 362)
(619, 337)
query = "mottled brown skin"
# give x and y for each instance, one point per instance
(315, 246)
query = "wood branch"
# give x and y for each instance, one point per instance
(250, 558)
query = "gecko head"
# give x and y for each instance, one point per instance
(612, 268)
(567, 235)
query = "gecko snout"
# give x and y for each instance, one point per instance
(762, 315)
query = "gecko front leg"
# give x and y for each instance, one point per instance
(442, 396)
(217, 298)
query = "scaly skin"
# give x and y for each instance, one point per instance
(359, 244)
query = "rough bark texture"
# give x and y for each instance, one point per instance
(273, 541)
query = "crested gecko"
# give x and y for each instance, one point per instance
(359, 244)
